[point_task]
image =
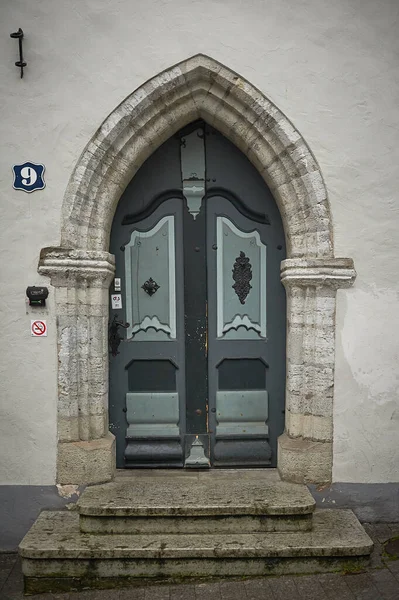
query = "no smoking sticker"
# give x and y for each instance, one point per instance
(38, 329)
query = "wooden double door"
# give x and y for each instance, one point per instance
(197, 335)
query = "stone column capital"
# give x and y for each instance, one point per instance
(65, 265)
(308, 272)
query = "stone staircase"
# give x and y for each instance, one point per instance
(179, 524)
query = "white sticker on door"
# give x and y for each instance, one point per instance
(116, 301)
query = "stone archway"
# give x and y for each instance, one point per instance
(81, 268)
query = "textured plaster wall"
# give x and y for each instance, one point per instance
(332, 68)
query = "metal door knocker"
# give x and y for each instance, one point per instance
(114, 336)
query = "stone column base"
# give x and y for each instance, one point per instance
(304, 461)
(86, 462)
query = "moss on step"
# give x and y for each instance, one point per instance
(388, 556)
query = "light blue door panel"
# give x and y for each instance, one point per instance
(151, 282)
(152, 414)
(242, 412)
(241, 282)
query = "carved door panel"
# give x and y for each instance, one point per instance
(239, 354)
(147, 376)
(246, 310)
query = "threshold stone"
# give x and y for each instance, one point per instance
(201, 494)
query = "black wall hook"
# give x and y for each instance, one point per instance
(20, 63)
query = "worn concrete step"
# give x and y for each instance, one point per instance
(56, 555)
(192, 525)
(202, 502)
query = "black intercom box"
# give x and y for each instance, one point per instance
(37, 295)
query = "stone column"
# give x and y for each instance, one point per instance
(305, 448)
(86, 449)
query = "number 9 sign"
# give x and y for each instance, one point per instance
(28, 177)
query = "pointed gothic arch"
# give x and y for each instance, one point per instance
(199, 88)
(81, 268)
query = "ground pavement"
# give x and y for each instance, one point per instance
(379, 582)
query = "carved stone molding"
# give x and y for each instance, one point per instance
(198, 88)
(64, 265)
(333, 272)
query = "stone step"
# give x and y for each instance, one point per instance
(193, 525)
(57, 556)
(203, 502)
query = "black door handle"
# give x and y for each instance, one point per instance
(114, 338)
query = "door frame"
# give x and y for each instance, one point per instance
(81, 268)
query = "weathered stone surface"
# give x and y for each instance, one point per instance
(334, 272)
(56, 554)
(144, 571)
(64, 264)
(304, 461)
(224, 492)
(56, 535)
(333, 586)
(198, 87)
(305, 450)
(187, 525)
(86, 462)
(81, 279)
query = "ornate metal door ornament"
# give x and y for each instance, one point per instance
(150, 286)
(242, 275)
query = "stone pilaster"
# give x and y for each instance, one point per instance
(305, 449)
(81, 280)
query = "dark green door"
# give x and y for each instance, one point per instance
(197, 350)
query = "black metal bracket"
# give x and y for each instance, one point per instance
(19, 35)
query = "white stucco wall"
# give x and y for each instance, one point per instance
(332, 68)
